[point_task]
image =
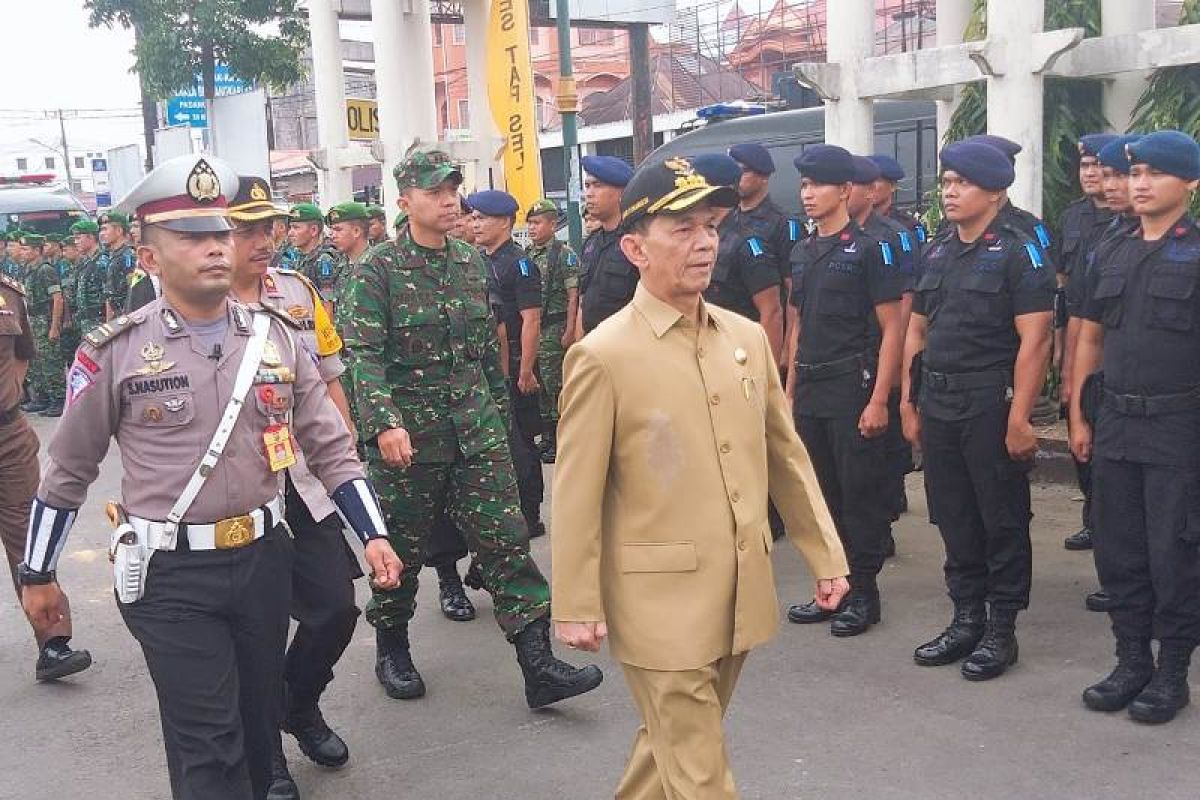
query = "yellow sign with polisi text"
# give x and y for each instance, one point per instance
(362, 119)
(511, 96)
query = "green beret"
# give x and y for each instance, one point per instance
(32, 239)
(85, 226)
(114, 218)
(543, 206)
(54, 238)
(345, 212)
(14, 235)
(377, 212)
(306, 212)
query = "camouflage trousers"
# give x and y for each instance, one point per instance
(46, 371)
(550, 370)
(479, 495)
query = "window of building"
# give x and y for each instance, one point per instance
(459, 34)
(49, 162)
(78, 162)
(595, 36)
(464, 114)
(22, 164)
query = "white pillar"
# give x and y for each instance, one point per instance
(404, 86)
(849, 121)
(333, 183)
(1014, 106)
(1121, 91)
(483, 127)
(952, 19)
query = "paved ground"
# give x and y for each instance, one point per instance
(813, 717)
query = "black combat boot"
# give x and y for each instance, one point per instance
(303, 719)
(548, 680)
(810, 612)
(1081, 540)
(958, 640)
(57, 660)
(282, 786)
(394, 667)
(860, 611)
(456, 606)
(997, 651)
(474, 577)
(1135, 667)
(1100, 602)
(1167, 693)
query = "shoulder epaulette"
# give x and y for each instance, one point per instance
(1033, 250)
(280, 314)
(108, 332)
(288, 271)
(13, 284)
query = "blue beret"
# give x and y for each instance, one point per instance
(865, 170)
(1006, 146)
(464, 205)
(981, 164)
(493, 203)
(1172, 152)
(607, 169)
(826, 163)
(1091, 144)
(718, 169)
(889, 168)
(754, 157)
(1113, 155)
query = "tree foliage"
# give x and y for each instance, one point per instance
(261, 41)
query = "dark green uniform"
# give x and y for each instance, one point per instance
(325, 268)
(91, 276)
(46, 370)
(121, 263)
(70, 333)
(423, 356)
(560, 271)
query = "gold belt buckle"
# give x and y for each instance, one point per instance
(234, 532)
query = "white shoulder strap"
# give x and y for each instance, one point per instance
(241, 387)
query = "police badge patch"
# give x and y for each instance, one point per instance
(79, 380)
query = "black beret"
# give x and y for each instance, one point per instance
(1092, 143)
(1006, 146)
(718, 169)
(1169, 151)
(981, 164)
(826, 163)
(494, 203)
(607, 169)
(754, 157)
(889, 167)
(865, 170)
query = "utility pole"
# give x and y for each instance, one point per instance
(643, 110)
(66, 151)
(568, 106)
(149, 108)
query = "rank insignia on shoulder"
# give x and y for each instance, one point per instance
(1043, 236)
(794, 230)
(905, 242)
(921, 233)
(523, 265)
(1035, 255)
(886, 250)
(109, 331)
(756, 248)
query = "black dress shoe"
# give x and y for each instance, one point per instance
(282, 786)
(34, 406)
(1135, 667)
(456, 606)
(394, 667)
(536, 529)
(1081, 540)
(53, 410)
(810, 612)
(997, 650)
(57, 660)
(316, 739)
(548, 679)
(1100, 602)
(1167, 692)
(860, 611)
(957, 641)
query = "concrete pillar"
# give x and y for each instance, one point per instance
(403, 81)
(1014, 107)
(1121, 91)
(483, 127)
(952, 19)
(333, 183)
(849, 121)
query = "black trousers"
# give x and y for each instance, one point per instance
(853, 474)
(212, 625)
(980, 499)
(323, 574)
(899, 457)
(1147, 547)
(527, 461)
(1083, 472)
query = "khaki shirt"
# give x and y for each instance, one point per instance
(16, 341)
(142, 380)
(669, 440)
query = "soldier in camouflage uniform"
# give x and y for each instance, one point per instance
(45, 303)
(87, 304)
(317, 259)
(377, 231)
(11, 263)
(121, 261)
(66, 278)
(431, 400)
(560, 309)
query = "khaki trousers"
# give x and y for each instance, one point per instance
(679, 750)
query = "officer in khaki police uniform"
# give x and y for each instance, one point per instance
(202, 562)
(672, 395)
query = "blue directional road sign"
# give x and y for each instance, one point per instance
(187, 110)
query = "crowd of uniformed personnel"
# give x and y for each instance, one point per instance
(442, 348)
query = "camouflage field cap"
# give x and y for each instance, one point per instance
(306, 212)
(345, 212)
(85, 226)
(426, 170)
(543, 206)
(114, 218)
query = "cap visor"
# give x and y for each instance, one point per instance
(196, 225)
(255, 212)
(440, 176)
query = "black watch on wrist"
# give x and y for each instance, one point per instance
(31, 577)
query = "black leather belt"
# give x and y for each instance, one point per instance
(1136, 405)
(11, 415)
(832, 369)
(963, 381)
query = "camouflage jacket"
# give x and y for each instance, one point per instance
(90, 281)
(422, 349)
(560, 271)
(285, 257)
(66, 275)
(121, 263)
(40, 287)
(325, 268)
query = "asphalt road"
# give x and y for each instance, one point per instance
(813, 717)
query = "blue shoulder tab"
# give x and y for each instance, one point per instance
(905, 242)
(1043, 235)
(1035, 255)
(886, 250)
(523, 265)
(922, 234)
(794, 230)
(756, 248)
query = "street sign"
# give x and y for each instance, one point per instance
(362, 119)
(103, 200)
(187, 110)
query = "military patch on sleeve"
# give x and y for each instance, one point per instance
(1035, 255)
(794, 230)
(1043, 236)
(885, 250)
(905, 242)
(756, 248)
(922, 234)
(523, 265)
(571, 259)
(81, 377)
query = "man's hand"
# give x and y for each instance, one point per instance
(830, 592)
(527, 382)
(43, 605)
(395, 447)
(581, 635)
(910, 422)
(1081, 441)
(1021, 441)
(384, 564)
(873, 421)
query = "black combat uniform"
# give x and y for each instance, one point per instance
(777, 230)
(606, 278)
(745, 266)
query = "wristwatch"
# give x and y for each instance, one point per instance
(31, 577)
